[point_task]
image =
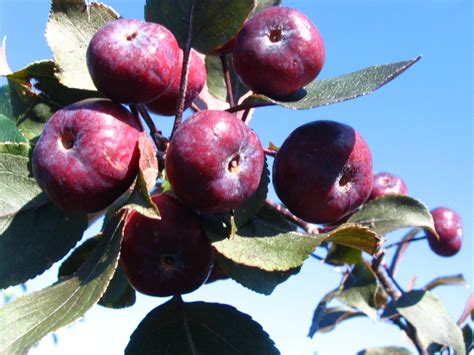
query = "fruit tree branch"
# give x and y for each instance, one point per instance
(308, 227)
(395, 295)
(184, 73)
(227, 79)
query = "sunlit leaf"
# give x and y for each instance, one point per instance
(334, 90)
(71, 25)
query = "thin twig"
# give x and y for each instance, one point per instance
(195, 107)
(184, 73)
(270, 153)
(404, 241)
(161, 142)
(402, 248)
(228, 80)
(308, 227)
(133, 109)
(246, 117)
(388, 285)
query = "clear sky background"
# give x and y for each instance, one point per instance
(419, 127)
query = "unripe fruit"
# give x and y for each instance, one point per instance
(87, 155)
(166, 103)
(278, 51)
(214, 161)
(387, 184)
(132, 61)
(449, 228)
(167, 256)
(323, 171)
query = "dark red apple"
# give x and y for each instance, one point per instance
(323, 171)
(214, 161)
(166, 103)
(278, 51)
(87, 155)
(167, 256)
(449, 228)
(387, 184)
(132, 61)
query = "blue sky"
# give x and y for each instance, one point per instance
(419, 127)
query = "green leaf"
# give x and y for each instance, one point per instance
(255, 279)
(216, 82)
(333, 316)
(334, 90)
(34, 233)
(214, 22)
(265, 246)
(35, 237)
(445, 280)
(40, 78)
(395, 350)
(71, 25)
(140, 199)
(389, 213)
(359, 290)
(5, 105)
(318, 313)
(9, 132)
(30, 110)
(119, 293)
(272, 247)
(199, 328)
(263, 4)
(468, 337)
(62, 303)
(430, 319)
(339, 255)
(249, 208)
(355, 236)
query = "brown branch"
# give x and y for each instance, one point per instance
(387, 281)
(160, 141)
(184, 73)
(195, 107)
(227, 80)
(308, 227)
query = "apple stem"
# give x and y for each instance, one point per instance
(184, 73)
(248, 105)
(270, 153)
(134, 111)
(160, 141)
(308, 227)
(195, 107)
(227, 79)
(388, 285)
(401, 249)
(245, 116)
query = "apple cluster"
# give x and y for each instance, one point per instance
(88, 154)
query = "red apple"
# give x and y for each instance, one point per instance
(132, 61)
(214, 161)
(323, 171)
(87, 155)
(449, 228)
(167, 256)
(278, 51)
